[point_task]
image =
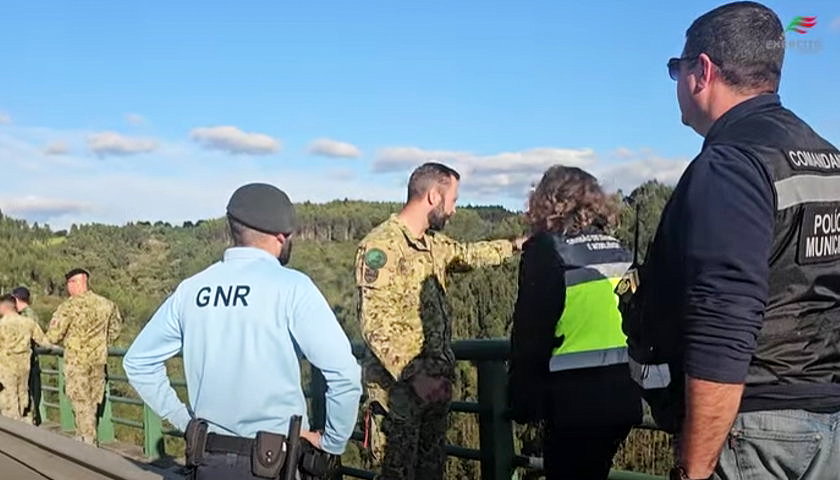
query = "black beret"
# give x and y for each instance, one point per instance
(74, 272)
(21, 293)
(262, 207)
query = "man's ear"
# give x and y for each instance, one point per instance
(434, 196)
(706, 72)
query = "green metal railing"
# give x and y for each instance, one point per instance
(496, 453)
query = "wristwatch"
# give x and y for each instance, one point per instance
(678, 473)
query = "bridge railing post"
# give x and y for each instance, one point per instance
(495, 428)
(153, 442)
(65, 408)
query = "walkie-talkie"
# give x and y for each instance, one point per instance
(629, 282)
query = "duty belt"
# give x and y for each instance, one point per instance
(217, 443)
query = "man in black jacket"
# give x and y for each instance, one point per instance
(740, 296)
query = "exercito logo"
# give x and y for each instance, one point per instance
(801, 25)
(794, 41)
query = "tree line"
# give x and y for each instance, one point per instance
(137, 265)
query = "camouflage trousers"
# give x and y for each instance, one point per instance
(14, 398)
(85, 387)
(405, 436)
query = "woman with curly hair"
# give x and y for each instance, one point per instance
(569, 357)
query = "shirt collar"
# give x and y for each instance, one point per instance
(247, 253)
(418, 243)
(743, 109)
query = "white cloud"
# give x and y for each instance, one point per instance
(333, 148)
(112, 143)
(5, 119)
(623, 152)
(341, 174)
(640, 167)
(398, 159)
(488, 176)
(57, 148)
(233, 140)
(135, 119)
(36, 207)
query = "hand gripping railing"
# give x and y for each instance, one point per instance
(496, 452)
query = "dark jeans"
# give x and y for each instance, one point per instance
(782, 444)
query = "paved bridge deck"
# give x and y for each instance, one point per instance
(32, 453)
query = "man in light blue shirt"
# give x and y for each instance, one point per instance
(240, 324)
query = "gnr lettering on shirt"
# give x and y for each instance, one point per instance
(223, 296)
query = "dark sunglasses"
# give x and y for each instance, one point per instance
(674, 66)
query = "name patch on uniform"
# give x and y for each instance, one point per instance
(223, 296)
(819, 236)
(813, 160)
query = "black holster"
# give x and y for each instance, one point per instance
(268, 455)
(316, 464)
(196, 440)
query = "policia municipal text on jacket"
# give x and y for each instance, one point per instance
(569, 357)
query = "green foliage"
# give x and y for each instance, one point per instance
(138, 264)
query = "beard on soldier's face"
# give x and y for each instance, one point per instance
(286, 252)
(438, 218)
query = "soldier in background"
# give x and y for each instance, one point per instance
(85, 324)
(16, 336)
(23, 305)
(23, 301)
(401, 271)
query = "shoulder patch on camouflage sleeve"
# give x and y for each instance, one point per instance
(375, 259)
(371, 275)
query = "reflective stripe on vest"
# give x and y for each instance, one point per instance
(590, 326)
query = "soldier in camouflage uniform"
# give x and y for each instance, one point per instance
(16, 336)
(23, 299)
(23, 306)
(85, 324)
(401, 271)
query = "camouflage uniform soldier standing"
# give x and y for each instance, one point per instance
(85, 323)
(16, 336)
(23, 300)
(401, 275)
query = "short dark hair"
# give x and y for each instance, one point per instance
(242, 234)
(21, 293)
(429, 175)
(746, 42)
(7, 299)
(76, 271)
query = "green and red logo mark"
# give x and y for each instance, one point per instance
(801, 24)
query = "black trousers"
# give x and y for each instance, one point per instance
(584, 454)
(223, 466)
(35, 388)
(589, 414)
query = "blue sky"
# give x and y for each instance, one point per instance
(112, 112)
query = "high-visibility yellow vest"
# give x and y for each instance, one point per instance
(588, 333)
